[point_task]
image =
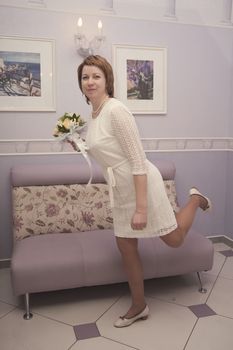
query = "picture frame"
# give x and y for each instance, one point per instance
(140, 74)
(27, 74)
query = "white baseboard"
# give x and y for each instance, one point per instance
(5, 263)
(222, 239)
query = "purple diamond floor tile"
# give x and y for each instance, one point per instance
(202, 310)
(85, 331)
(227, 253)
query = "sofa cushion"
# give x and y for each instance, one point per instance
(60, 208)
(171, 193)
(59, 261)
(47, 262)
(66, 208)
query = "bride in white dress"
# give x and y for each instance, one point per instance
(137, 195)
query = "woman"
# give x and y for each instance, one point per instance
(137, 194)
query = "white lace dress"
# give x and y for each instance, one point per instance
(113, 141)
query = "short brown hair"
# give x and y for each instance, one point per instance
(105, 66)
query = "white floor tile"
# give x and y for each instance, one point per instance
(180, 289)
(36, 334)
(5, 308)
(227, 270)
(212, 333)
(168, 326)
(77, 306)
(6, 293)
(221, 298)
(99, 344)
(219, 260)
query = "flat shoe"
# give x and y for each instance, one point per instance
(194, 191)
(125, 322)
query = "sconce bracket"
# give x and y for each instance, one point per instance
(85, 47)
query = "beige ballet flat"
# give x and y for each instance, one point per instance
(194, 191)
(125, 322)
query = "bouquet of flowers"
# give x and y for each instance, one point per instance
(68, 123)
(68, 128)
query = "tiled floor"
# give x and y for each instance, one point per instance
(181, 318)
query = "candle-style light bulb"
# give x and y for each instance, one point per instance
(100, 26)
(80, 24)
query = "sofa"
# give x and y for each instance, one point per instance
(63, 232)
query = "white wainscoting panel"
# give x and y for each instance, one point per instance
(51, 146)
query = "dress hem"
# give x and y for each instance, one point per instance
(142, 234)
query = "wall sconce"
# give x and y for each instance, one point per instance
(84, 46)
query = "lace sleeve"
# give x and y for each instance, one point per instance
(126, 132)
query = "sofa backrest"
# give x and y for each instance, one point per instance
(55, 198)
(54, 174)
(71, 173)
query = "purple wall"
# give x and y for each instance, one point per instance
(200, 91)
(199, 72)
(229, 197)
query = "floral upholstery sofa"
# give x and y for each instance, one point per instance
(63, 232)
(60, 208)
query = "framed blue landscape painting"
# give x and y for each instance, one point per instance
(27, 74)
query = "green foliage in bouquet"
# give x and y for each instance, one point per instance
(68, 123)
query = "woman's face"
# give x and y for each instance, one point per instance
(93, 83)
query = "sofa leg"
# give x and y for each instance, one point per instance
(201, 289)
(28, 315)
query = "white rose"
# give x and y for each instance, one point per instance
(67, 123)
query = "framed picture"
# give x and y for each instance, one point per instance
(27, 74)
(141, 78)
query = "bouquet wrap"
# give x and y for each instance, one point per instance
(68, 129)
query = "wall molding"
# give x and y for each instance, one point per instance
(12, 147)
(170, 15)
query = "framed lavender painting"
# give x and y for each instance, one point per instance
(27, 74)
(141, 78)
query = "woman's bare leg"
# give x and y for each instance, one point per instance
(133, 267)
(129, 251)
(184, 219)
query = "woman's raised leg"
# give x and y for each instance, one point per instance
(185, 219)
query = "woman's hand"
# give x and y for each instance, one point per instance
(139, 220)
